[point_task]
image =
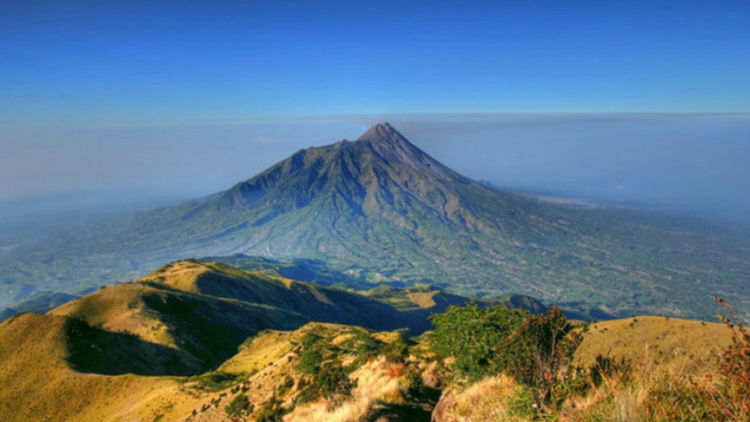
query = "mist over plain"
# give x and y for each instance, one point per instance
(682, 163)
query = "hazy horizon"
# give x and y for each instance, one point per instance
(689, 163)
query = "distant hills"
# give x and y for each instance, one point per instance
(380, 210)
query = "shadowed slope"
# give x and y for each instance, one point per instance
(181, 333)
(38, 383)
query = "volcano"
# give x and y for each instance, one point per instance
(379, 209)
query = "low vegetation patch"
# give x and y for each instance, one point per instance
(536, 353)
(239, 407)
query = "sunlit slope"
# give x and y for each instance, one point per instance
(39, 385)
(189, 316)
(137, 350)
(380, 209)
(670, 343)
(181, 344)
(394, 308)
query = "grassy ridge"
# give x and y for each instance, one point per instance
(186, 343)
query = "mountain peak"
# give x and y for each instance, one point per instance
(382, 133)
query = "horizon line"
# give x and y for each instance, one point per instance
(359, 117)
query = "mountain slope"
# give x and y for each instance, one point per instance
(138, 350)
(380, 209)
(43, 379)
(192, 315)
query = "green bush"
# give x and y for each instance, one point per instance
(536, 350)
(216, 381)
(271, 412)
(239, 406)
(540, 353)
(309, 339)
(333, 381)
(310, 361)
(475, 337)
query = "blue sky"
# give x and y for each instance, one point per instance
(158, 61)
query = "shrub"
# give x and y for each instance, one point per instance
(397, 351)
(216, 381)
(239, 406)
(309, 339)
(474, 337)
(607, 367)
(540, 352)
(310, 361)
(271, 412)
(363, 345)
(333, 381)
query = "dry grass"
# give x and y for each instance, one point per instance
(261, 351)
(676, 344)
(377, 382)
(180, 275)
(37, 384)
(423, 299)
(482, 401)
(621, 400)
(119, 309)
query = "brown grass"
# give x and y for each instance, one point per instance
(482, 401)
(681, 346)
(377, 382)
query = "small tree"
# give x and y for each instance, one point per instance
(540, 352)
(735, 367)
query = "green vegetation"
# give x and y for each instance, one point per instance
(239, 407)
(272, 411)
(535, 350)
(475, 337)
(482, 361)
(191, 316)
(547, 384)
(318, 360)
(539, 356)
(331, 382)
(309, 361)
(216, 381)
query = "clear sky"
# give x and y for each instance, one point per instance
(160, 61)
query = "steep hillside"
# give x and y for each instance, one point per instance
(381, 210)
(197, 313)
(39, 384)
(182, 342)
(120, 354)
